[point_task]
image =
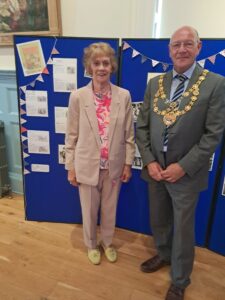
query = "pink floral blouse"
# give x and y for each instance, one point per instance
(102, 104)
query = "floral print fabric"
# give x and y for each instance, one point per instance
(102, 104)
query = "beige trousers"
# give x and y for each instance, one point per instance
(103, 198)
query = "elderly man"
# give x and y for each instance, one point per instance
(179, 127)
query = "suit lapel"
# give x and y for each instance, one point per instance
(167, 82)
(91, 112)
(114, 111)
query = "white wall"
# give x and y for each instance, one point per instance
(207, 16)
(107, 18)
(99, 18)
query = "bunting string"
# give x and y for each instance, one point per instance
(22, 102)
(166, 65)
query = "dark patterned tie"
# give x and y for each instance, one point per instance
(178, 92)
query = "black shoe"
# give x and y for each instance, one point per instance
(153, 264)
(175, 293)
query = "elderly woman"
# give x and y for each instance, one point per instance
(99, 148)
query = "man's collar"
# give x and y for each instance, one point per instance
(187, 73)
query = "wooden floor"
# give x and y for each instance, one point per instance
(48, 261)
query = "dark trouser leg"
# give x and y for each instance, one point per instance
(161, 218)
(184, 204)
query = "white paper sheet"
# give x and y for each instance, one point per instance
(64, 74)
(60, 119)
(37, 103)
(38, 142)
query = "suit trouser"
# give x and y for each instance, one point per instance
(172, 222)
(103, 196)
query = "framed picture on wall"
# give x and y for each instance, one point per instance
(28, 17)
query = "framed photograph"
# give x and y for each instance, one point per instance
(28, 17)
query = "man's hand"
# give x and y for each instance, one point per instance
(154, 170)
(172, 173)
(71, 176)
(126, 175)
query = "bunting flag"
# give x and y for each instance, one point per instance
(165, 67)
(22, 102)
(125, 46)
(143, 59)
(24, 138)
(135, 53)
(23, 88)
(23, 129)
(25, 171)
(24, 146)
(222, 53)
(25, 155)
(32, 84)
(154, 63)
(45, 71)
(22, 111)
(212, 59)
(86, 74)
(202, 63)
(40, 78)
(50, 61)
(22, 121)
(55, 51)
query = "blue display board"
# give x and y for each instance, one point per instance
(48, 195)
(217, 232)
(141, 59)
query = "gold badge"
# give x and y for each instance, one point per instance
(169, 118)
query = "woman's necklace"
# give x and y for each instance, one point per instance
(101, 92)
(171, 113)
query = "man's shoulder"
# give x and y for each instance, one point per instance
(154, 79)
(215, 76)
(210, 75)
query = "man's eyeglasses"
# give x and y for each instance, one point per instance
(186, 45)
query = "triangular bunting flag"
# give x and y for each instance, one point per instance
(23, 88)
(50, 61)
(24, 138)
(22, 111)
(125, 45)
(202, 63)
(24, 146)
(22, 121)
(25, 155)
(86, 74)
(32, 83)
(40, 78)
(55, 51)
(23, 129)
(143, 59)
(165, 66)
(22, 102)
(222, 52)
(154, 63)
(135, 53)
(45, 71)
(212, 59)
(25, 172)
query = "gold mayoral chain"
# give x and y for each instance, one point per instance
(171, 113)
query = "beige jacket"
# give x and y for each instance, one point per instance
(82, 142)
